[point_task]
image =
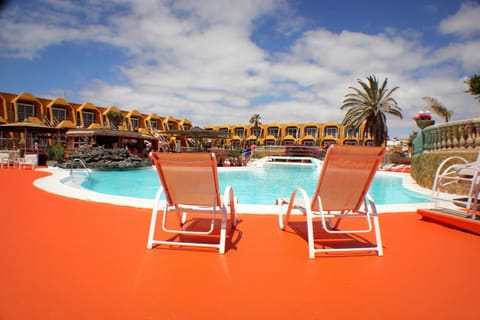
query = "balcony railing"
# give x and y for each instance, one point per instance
(461, 134)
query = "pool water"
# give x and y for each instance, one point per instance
(251, 185)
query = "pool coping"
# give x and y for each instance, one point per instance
(53, 184)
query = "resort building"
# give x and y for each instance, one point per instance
(307, 134)
(32, 124)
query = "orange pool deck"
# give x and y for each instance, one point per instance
(62, 258)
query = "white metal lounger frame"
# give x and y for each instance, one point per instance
(327, 224)
(451, 172)
(227, 206)
(367, 211)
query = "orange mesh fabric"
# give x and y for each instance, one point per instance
(346, 176)
(188, 178)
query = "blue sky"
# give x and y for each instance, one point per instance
(219, 62)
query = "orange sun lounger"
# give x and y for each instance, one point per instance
(341, 192)
(189, 182)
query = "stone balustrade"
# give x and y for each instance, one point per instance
(455, 135)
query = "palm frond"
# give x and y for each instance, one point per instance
(438, 108)
(369, 104)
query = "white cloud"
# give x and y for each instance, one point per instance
(196, 59)
(465, 22)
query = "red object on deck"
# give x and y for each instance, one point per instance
(451, 220)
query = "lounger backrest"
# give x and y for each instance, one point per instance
(188, 178)
(346, 176)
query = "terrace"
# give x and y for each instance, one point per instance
(63, 258)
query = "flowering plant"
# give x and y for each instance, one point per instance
(423, 116)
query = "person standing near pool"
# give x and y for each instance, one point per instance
(246, 153)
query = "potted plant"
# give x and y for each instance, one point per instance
(424, 119)
(55, 154)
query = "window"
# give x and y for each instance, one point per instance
(224, 130)
(88, 118)
(236, 145)
(269, 143)
(59, 114)
(352, 132)
(25, 110)
(292, 131)
(239, 132)
(154, 124)
(135, 123)
(331, 131)
(309, 143)
(273, 132)
(256, 132)
(311, 131)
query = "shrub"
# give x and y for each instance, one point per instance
(55, 152)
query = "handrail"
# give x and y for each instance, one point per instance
(463, 134)
(89, 172)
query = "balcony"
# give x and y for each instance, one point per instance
(454, 136)
(435, 143)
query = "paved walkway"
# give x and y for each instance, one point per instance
(62, 258)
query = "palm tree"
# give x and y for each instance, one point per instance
(369, 105)
(255, 120)
(474, 86)
(435, 106)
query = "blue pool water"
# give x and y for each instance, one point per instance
(251, 185)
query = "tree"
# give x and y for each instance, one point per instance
(474, 86)
(369, 105)
(255, 120)
(436, 107)
(115, 118)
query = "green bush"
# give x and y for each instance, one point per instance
(55, 152)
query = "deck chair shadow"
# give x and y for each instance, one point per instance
(189, 184)
(341, 192)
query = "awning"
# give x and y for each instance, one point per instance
(196, 133)
(29, 126)
(308, 137)
(107, 133)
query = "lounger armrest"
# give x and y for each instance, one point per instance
(292, 204)
(230, 201)
(371, 202)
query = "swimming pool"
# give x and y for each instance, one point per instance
(259, 186)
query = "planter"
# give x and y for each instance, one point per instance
(425, 123)
(51, 163)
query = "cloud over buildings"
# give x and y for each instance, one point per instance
(199, 59)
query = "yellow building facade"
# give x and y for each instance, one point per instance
(308, 134)
(75, 124)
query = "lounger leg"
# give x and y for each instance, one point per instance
(233, 212)
(153, 220)
(378, 236)
(223, 231)
(151, 233)
(310, 235)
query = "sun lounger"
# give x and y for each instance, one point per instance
(341, 193)
(189, 182)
